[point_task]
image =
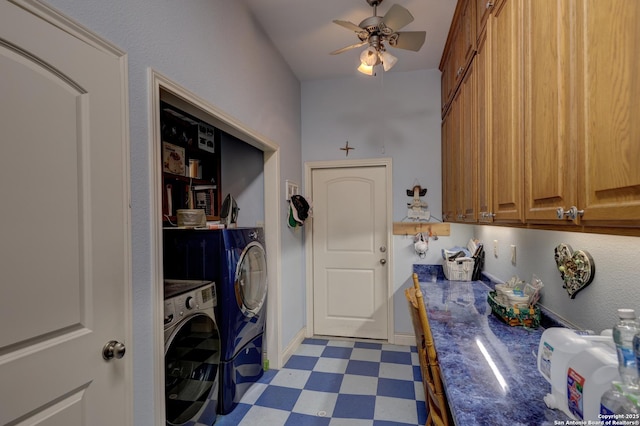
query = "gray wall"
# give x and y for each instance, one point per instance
(214, 49)
(616, 283)
(242, 177)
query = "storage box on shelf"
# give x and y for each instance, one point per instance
(190, 164)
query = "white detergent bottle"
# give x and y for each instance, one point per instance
(589, 376)
(557, 346)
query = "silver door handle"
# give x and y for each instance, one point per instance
(113, 349)
(383, 261)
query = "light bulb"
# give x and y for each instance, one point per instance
(369, 57)
(365, 69)
(388, 60)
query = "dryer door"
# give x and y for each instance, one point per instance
(192, 356)
(251, 279)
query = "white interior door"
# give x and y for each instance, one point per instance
(64, 233)
(350, 289)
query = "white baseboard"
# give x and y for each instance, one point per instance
(405, 339)
(293, 345)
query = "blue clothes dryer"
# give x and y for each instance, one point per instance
(236, 260)
(242, 286)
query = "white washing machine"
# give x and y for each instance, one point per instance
(192, 352)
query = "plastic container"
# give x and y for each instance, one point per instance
(567, 360)
(632, 404)
(589, 375)
(613, 400)
(636, 353)
(623, 334)
(191, 218)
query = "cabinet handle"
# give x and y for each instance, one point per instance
(460, 71)
(571, 214)
(489, 4)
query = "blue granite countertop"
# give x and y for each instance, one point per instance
(469, 339)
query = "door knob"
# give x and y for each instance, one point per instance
(383, 261)
(113, 349)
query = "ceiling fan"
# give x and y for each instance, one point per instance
(378, 30)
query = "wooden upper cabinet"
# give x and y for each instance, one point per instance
(608, 130)
(506, 111)
(466, 45)
(483, 147)
(450, 128)
(459, 164)
(467, 191)
(446, 81)
(582, 130)
(553, 123)
(458, 51)
(550, 154)
(483, 9)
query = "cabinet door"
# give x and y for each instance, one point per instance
(482, 114)
(608, 42)
(450, 131)
(463, 45)
(550, 164)
(446, 82)
(467, 196)
(467, 33)
(483, 9)
(506, 119)
(458, 51)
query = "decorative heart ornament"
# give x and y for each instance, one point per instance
(576, 268)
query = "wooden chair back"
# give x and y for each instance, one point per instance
(438, 410)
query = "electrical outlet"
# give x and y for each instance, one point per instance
(495, 248)
(513, 254)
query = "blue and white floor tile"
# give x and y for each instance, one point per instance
(337, 383)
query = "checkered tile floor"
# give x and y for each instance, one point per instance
(335, 382)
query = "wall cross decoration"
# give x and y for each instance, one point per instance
(347, 148)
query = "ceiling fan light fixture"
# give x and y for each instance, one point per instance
(388, 60)
(369, 57)
(366, 69)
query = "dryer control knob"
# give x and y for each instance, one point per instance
(190, 303)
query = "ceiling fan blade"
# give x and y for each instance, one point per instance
(344, 49)
(397, 17)
(409, 40)
(348, 25)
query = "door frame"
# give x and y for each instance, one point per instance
(309, 167)
(272, 211)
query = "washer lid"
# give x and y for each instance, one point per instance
(175, 287)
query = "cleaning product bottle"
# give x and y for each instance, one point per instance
(623, 334)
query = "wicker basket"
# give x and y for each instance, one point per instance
(529, 318)
(459, 269)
